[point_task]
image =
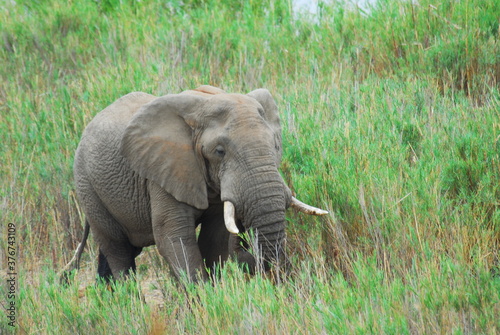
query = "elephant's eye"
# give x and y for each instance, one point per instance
(219, 151)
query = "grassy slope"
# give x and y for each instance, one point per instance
(391, 121)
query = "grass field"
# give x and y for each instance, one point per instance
(391, 121)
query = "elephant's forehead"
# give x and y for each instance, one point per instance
(234, 99)
(232, 105)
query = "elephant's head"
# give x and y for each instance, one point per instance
(205, 146)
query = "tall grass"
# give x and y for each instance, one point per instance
(391, 121)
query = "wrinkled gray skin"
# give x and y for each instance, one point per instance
(149, 170)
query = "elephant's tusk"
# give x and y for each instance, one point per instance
(305, 208)
(229, 217)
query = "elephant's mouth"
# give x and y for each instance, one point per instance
(261, 247)
(234, 223)
(241, 225)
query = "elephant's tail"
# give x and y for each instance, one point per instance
(74, 263)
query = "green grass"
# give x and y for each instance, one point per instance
(391, 121)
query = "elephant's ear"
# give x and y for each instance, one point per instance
(158, 145)
(270, 115)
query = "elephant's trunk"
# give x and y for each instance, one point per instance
(264, 214)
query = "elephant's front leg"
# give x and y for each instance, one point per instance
(213, 238)
(174, 232)
(238, 249)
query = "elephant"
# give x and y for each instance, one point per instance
(149, 170)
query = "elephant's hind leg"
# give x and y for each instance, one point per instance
(116, 253)
(117, 260)
(103, 269)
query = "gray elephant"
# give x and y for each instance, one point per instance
(149, 170)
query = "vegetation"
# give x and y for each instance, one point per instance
(391, 121)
